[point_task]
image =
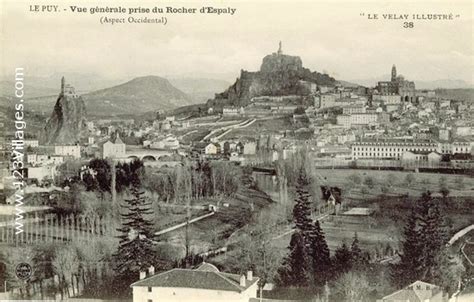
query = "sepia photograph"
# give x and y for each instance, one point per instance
(237, 151)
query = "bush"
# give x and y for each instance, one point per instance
(369, 182)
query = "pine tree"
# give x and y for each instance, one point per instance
(410, 267)
(294, 271)
(342, 260)
(320, 256)
(432, 234)
(135, 252)
(302, 208)
(357, 256)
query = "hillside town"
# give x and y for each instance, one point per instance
(287, 186)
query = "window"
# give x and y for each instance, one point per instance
(149, 289)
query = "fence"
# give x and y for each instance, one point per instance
(53, 228)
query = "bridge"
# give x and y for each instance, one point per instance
(146, 154)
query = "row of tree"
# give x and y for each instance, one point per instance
(309, 264)
(425, 254)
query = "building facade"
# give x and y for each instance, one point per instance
(115, 149)
(73, 150)
(204, 284)
(397, 85)
(349, 120)
(389, 149)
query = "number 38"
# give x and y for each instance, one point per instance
(408, 25)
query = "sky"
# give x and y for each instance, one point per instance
(329, 36)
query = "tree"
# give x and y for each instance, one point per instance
(353, 287)
(384, 188)
(354, 179)
(136, 248)
(423, 245)
(450, 270)
(43, 263)
(102, 176)
(342, 260)
(459, 180)
(409, 268)
(320, 257)
(294, 271)
(444, 191)
(432, 233)
(66, 265)
(369, 182)
(409, 179)
(302, 208)
(358, 258)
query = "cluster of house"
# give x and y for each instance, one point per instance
(270, 109)
(43, 164)
(166, 142)
(170, 122)
(232, 149)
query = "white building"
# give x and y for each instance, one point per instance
(389, 149)
(114, 149)
(327, 100)
(229, 111)
(211, 149)
(90, 126)
(416, 292)
(387, 99)
(31, 143)
(353, 109)
(461, 131)
(250, 148)
(74, 151)
(204, 284)
(349, 120)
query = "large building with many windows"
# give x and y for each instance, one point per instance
(356, 119)
(390, 149)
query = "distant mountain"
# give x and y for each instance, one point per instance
(143, 94)
(460, 94)
(446, 84)
(199, 89)
(85, 82)
(443, 83)
(7, 89)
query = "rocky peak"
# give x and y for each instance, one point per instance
(279, 62)
(279, 75)
(68, 119)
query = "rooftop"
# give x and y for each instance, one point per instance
(204, 278)
(418, 291)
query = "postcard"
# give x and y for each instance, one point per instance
(237, 150)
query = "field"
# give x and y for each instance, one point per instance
(212, 233)
(391, 198)
(395, 182)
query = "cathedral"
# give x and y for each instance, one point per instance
(398, 85)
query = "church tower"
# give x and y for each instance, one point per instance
(394, 73)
